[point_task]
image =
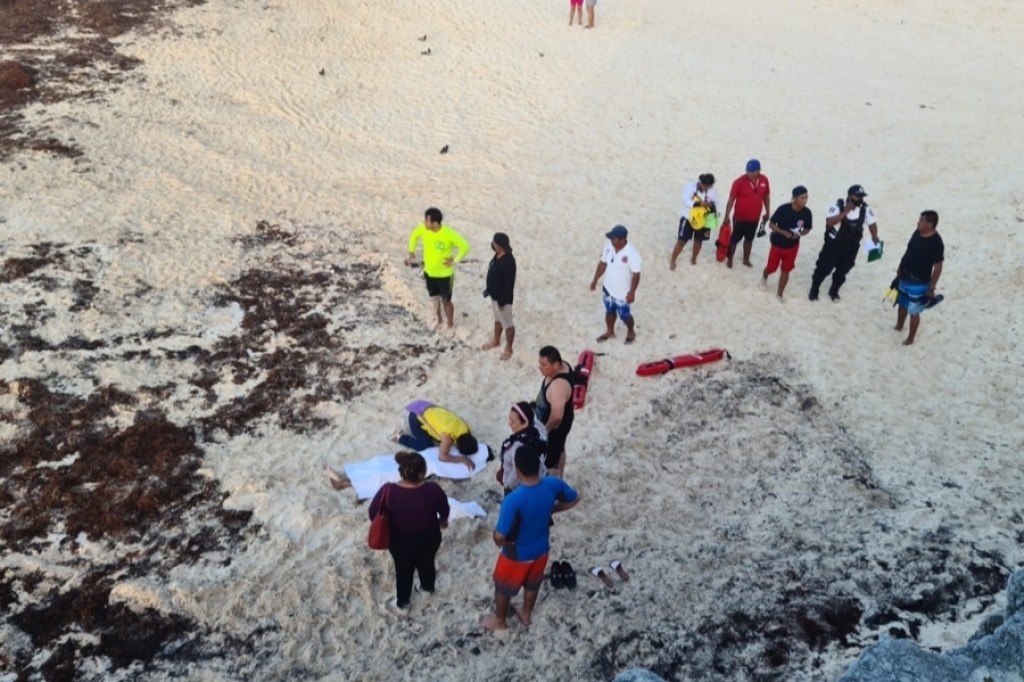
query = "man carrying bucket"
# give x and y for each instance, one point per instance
(699, 217)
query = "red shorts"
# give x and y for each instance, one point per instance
(784, 257)
(575, 3)
(510, 575)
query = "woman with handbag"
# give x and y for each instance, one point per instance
(415, 511)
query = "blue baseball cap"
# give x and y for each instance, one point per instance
(618, 232)
(753, 165)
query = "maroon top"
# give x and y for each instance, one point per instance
(422, 508)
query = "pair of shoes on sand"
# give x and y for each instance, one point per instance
(562, 575)
(602, 574)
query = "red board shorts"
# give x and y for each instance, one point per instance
(784, 257)
(510, 575)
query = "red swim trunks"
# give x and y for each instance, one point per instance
(510, 575)
(784, 257)
(575, 3)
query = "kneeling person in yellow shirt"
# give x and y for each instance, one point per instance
(443, 247)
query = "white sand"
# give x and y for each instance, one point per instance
(556, 134)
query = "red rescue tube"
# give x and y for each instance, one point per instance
(724, 237)
(649, 369)
(584, 366)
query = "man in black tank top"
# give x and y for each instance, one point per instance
(554, 406)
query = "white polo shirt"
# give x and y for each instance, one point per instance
(618, 277)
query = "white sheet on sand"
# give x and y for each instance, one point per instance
(369, 475)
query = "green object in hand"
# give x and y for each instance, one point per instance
(876, 253)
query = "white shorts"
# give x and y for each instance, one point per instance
(503, 314)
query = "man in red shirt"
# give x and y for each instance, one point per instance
(749, 194)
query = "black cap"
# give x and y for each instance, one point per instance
(501, 239)
(856, 191)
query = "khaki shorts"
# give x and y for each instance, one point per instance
(503, 314)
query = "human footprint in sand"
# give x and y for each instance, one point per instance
(522, 533)
(501, 281)
(619, 275)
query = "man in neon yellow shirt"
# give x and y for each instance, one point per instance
(439, 243)
(431, 425)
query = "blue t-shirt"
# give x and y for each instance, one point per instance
(531, 505)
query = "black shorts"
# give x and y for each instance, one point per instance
(686, 232)
(556, 444)
(440, 286)
(743, 230)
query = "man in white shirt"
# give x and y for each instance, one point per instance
(699, 199)
(844, 227)
(619, 274)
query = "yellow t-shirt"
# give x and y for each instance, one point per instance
(438, 421)
(437, 248)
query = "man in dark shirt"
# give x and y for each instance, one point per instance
(919, 272)
(789, 222)
(501, 280)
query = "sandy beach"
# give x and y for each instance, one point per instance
(207, 305)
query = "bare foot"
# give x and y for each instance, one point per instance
(748, 264)
(728, 263)
(337, 481)
(493, 623)
(693, 261)
(523, 618)
(898, 328)
(605, 337)
(506, 354)
(672, 265)
(908, 342)
(630, 339)
(490, 344)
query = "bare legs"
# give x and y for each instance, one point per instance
(449, 311)
(915, 321)
(576, 11)
(783, 281)
(747, 246)
(499, 620)
(510, 336)
(676, 250)
(609, 323)
(697, 243)
(590, 17)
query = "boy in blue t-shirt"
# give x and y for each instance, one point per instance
(522, 535)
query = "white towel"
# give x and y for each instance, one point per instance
(369, 475)
(464, 510)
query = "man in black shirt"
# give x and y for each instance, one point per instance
(789, 222)
(501, 280)
(919, 272)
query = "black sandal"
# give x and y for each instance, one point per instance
(568, 575)
(557, 576)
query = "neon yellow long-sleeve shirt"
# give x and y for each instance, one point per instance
(437, 248)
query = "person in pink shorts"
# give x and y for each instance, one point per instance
(576, 10)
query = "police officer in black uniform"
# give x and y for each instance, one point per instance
(844, 228)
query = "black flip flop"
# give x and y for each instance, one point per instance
(557, 577)
(568, 575)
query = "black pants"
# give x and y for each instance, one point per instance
(414, 552)
(837, 257)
